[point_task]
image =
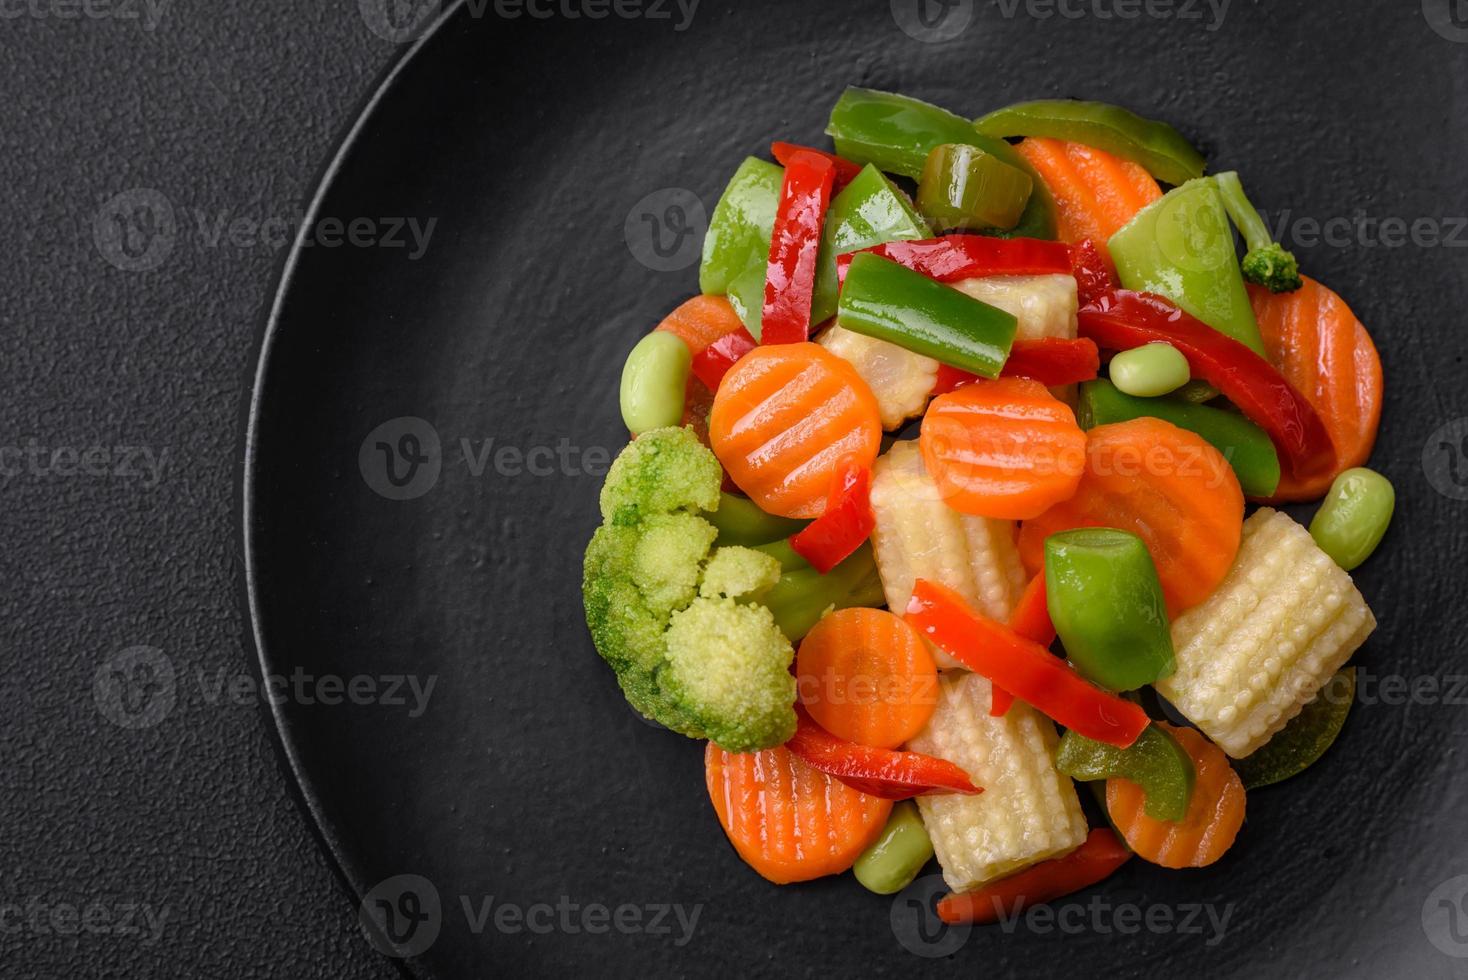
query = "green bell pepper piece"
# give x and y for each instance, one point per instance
(1155, 761)
(1162, 150)
(898, 854)
(803, 595)
(1106, 603)
(897, 134)
(1304, 740)
(741, 522)
(740, 229)
(885, 300)
(963, 188)
(1181, 246)
(1246, 446)
(868, 211)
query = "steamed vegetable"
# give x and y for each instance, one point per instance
(738, 239)
(1267, 263)
(790, 278)
(803, 595)
(846, 171)
(879, 772)
(740, 521)
(1155, 762)
(1159, 147)
(1355, 516)
(900, 379)
(1095, 193)
(1301, 743)
(964, 188)
(1149, 371)
(1042, 306)
(846, 522)
(896, 857)
(1277, 628)
(655, 382)
(1031, 620)
(954, 258)
(871, 211)
(1095, 860)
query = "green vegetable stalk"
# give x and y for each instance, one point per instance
(1155, 761)
(1267, 263)
(1106, 603)
(740, 521)
(1182, 247)
(964, 188)
(895, 859)
(803, 595)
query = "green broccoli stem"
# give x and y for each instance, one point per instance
(1245, 216)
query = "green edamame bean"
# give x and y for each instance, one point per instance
(1355, 515)
(1150, 370)
(891, 864)
(654, 382)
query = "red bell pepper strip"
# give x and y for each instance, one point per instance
(790, 279)
(1031, 620)
(846, 171)
(714, 361)
(955, 257)
(1050, 361)
(833, 537)
(1124, 319)
(1095, 860)
(1022, 667)
(1095, 276)
(877, 772)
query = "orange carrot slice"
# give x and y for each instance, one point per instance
(1320, 347)
(787, 820)
(1004, 449)
(867, 677)
(702, 320)
(1095, 193)
(1167, 486)
(783, 417)
(1215, 812)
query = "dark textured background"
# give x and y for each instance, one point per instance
(224, 108)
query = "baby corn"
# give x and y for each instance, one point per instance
(900, 379)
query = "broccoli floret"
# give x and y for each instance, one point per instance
(1267, 263)
(702, 665)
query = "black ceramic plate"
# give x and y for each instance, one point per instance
(430, 429)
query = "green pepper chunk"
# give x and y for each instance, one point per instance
(897, 134)
(868, 211)
(885, 300)
(1301, 743)
(803, 595)
(1106, 603)
(1246, 446)
(965, 189)
(898, 854)
(1155, 761)
(739, 231)
(1161, 149)
(1181, 246)
(741, 522)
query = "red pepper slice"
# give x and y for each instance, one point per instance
(714, 361)
(955, 257)
(1031, 620)
(1095, 860)
(846, 171)
(876, 772)
(1022, 667)
(831, 538)
(1050, 361)
(1124, 319)
(1092, 268)
(790, 279)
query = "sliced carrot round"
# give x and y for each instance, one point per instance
(1095, 192)
(788, 821)
(1320, 347)
(1004, 449)
(783, 417)
(866, 676)
(702, 320)
(1166, 485)
(1215, 812)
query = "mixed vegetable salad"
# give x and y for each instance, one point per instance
(915, 644)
